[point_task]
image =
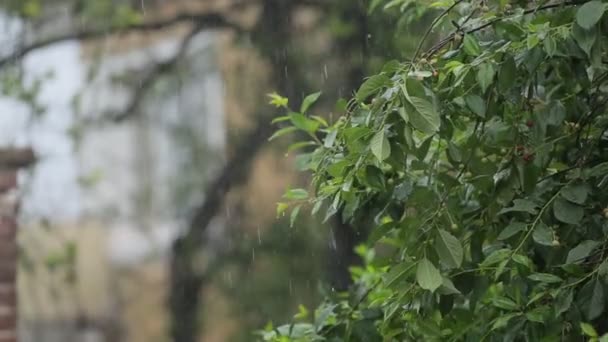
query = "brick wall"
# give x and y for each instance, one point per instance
(11, 160)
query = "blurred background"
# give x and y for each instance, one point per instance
(150, 213)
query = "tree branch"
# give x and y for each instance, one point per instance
(212, 20)
(433, 50)
(186, 279)
(152, 76)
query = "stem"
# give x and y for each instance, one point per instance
(449, 38)
(535, 223)
(431, 27)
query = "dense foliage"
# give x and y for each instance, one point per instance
(482, 165)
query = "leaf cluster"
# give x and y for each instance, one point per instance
(483, 165)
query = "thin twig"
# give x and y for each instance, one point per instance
(437, 47)
(152, 76)
(432, 26)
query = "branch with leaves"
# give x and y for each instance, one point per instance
(484, 171)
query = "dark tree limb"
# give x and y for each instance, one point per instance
(186, 280)
(210, 20)
(153, 75)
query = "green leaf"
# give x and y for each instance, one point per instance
(280, 119)
(591, 299)
(294, 215)
(371, 86)
(512, 229)
(550, 46)
(403, 190)
(588, 330)
(532, 41)
(590, 13)
(380, 231)
(423, 149)
(584, 38)
(449, 249)
(567, 212)
(454, 152)
(281, 207)
(425, 118)
(427, 275)
(502, 320)
(278, 100)
(523, 260)
(471, 46)
(542, 235)
(330, 138)
(520, 205)
(296, 194)
(538, 315)
(545, 278)
(282, 132)
(507, 74)
(580, 252)
(309, 101)
(380, 146)
(476, 105)
(575, 193)
(304, 123)
(302, 312)
(447, 287)
(396, 273)
(496, 257)
(485, 76)
(603, 269)
(599, 170)
(299, 145)
(505, 303)
(563, 302)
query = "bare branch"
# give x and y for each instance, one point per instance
(212, 20)
(153, 75)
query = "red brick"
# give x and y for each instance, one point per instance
(8, 294)
(8, 335)
(8, 227)
(8, 180)
(8, 321)
(8, 250)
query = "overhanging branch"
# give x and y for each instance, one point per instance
(211, 20)
(442, 43)
(157, 71)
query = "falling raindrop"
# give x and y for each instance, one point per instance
(259, 237)
(230, 283)
(325, 71)
(332, 242)
(143, 7)
(253, 254)
(290, 287)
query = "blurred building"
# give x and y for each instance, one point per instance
(115, 193)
